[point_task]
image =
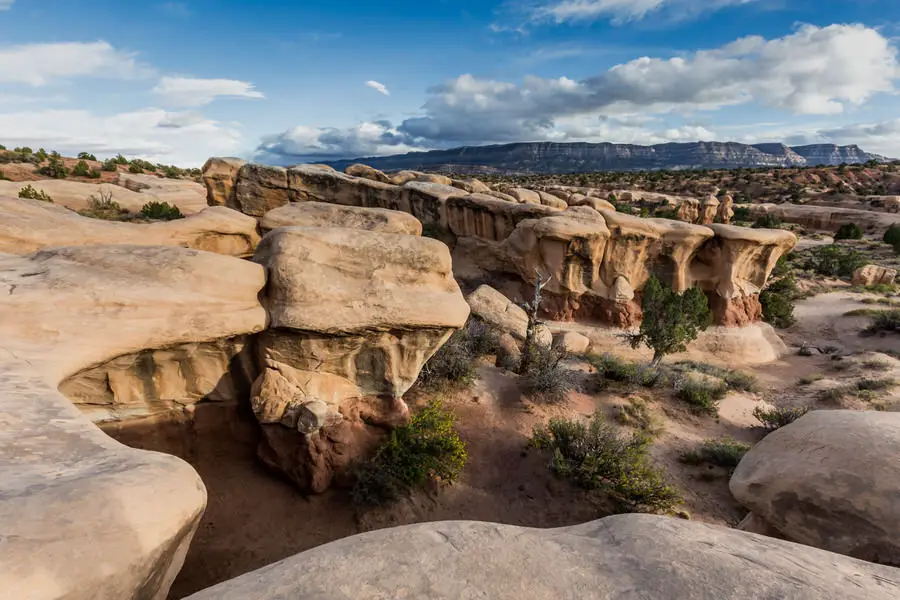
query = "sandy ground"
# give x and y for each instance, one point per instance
(254, 518)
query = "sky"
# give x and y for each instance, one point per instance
(286, 81)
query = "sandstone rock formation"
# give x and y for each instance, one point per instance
(626, 556)
(350, 331)
(219, 175)
(84, 517)
(874, 275)
(498, 311)
(828, 218)
(322, 214)
(726, 209)
(30, 225)
(599, 259)
(186, 195)
(829, 480)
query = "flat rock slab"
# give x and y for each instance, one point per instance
(625, 557)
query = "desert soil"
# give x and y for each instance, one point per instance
(254, 518)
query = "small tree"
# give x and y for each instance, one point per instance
(55, 167)
(81, 169)
(767, 221)
(892, 235)
(849, 231)
(671, 320)
(777, 299)
(160, 211)
(86, 156)
(531, 309)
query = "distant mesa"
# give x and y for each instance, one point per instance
(580, 157)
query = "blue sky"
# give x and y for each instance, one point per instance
(284, 81)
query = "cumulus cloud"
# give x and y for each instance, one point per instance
(189, 91)
(38, 64)
(311, 143)
(815, 70)
(153, 134)
(378, 87)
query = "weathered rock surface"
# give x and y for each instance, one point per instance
(874, 275)
(626, 556)
(351, 329)
(84, 517)
(359, 170)
(828, 218)
(571, 342)
(186, 195)
(829, 480)
(598, 259)
(498, 311)
(219, 175)
(322, 214)
(30, 225)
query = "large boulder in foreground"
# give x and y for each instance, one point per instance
(323, 214)
(622, 557)
(31, 225)
(831, 480)
(354, 315)
(82, 516)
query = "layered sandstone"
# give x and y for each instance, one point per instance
(84, 517)
(350, 331)
(598, 259)
(30, 225)
(322, 214)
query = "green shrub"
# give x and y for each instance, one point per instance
(41, 154)
(849, 231)
(734, 380)
(139, 166)
(834, 261)
(777, 299)
(870, 384)
(703, 395)
(24, 150)
(120, 160)
(596, 457)
(453, 365)
(892, 235)
(835, 394)
(160, 211)
(482, 339)
(54, 167)
(767, 221)
(612, 368)
(86, 156)
(102, 206)
(636, 413)
(33, 194)
(135, 168)
(110, 166)
(546, 379)
(81, 169)
(426, 449)
(725, 452)
(809, 379)
(171, 172)
(666, 213)
(671, 320)
(776, 418)
(742, 213)
(2, 147)
(884, 321)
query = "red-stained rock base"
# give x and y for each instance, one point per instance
(737, 312)
(326, 458)
(558, 307)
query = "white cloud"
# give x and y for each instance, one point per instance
(153, 134)
(188, 91)
(815, 70)
(622, 11)
(303, 143)
(38, 64)
(378, 87)
(6, 4)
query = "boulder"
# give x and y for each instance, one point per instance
(571, 342)
(83, 516)
(498, 311)
(509, 353)
(351, 328)
(689, 210)
(500, 195)
(30, 225)
(525, 196)
(259, 189)
(322, 214)
(874, 275)
(219, 176)
(619, 557)
(367, 172)
(709, 210)
(726, 209)
(551, 200)
(831, 480)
